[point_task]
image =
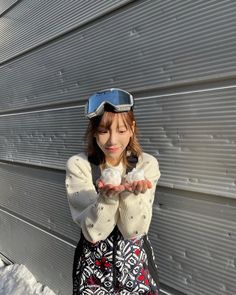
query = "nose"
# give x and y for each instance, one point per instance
(112, 140)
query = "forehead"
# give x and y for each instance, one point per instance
(113, 119)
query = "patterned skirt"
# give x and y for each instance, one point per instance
(115, 266)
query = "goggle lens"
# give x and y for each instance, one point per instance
(119, 99)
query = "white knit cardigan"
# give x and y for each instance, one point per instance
(98, 214)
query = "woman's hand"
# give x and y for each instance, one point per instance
(137, 187)
(109, 189)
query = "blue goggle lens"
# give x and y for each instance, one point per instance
(119, 99)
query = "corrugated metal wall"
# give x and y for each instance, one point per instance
(178, 58)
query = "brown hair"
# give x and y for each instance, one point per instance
(94, 152)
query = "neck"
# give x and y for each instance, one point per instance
(113, 162)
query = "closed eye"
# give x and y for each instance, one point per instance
(122, 131)
(102, 131)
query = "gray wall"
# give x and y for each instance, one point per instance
(178, 58)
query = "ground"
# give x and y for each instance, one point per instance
(16, 279)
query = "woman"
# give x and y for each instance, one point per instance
(114, 255)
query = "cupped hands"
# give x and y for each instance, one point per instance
(136, 187)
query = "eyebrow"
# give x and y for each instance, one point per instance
(104, 126)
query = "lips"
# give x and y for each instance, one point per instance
(112, 149)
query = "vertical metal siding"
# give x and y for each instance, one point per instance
(178, 58)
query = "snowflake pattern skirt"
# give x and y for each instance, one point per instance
(115, 266)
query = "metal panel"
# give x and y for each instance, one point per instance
(195, 241)
(6, 5)
(48, 257)
(192, 134)
(47, 20)
(38, 195)
(149, 44)
(144, 47)
(45, 138)
(192, 234)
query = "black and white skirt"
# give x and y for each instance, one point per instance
(115, 266)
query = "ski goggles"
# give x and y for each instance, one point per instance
(120, 100)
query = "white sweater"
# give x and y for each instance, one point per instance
(98, 214)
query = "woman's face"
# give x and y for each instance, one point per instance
(113, 140)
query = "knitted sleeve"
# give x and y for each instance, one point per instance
(96, 214)
(136, 210)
